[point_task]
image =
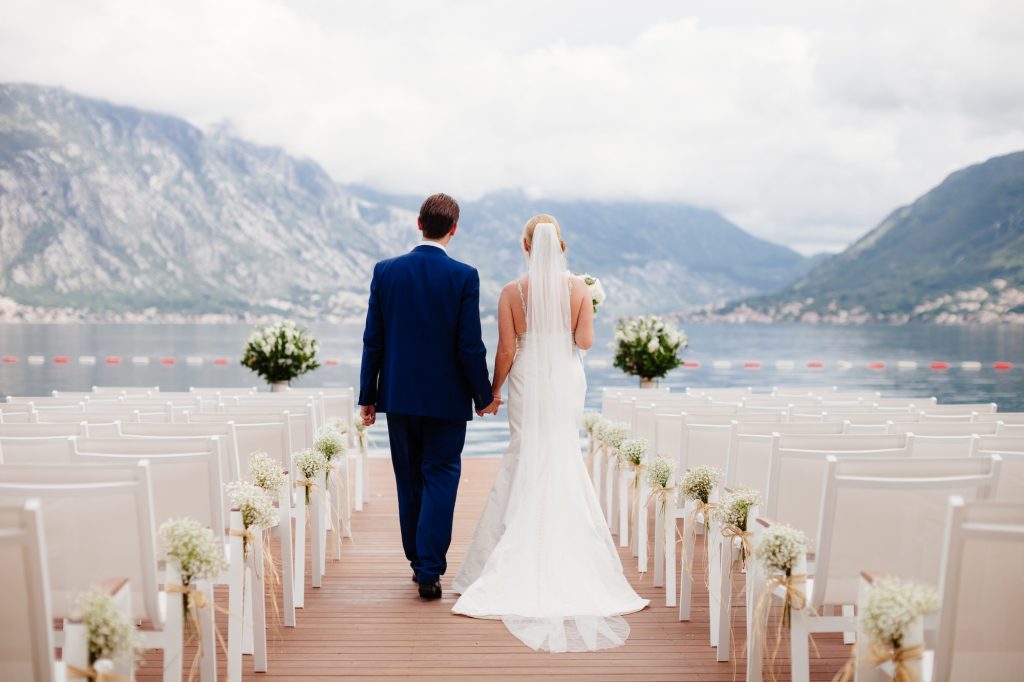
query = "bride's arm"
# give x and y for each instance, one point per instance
(506, 352)
(581, 302)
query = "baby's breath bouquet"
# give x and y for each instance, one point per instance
(781, 552)
(111, 633)
(732, 512)
(590, 420)
(311, 464)
(890, 608)
(647, 346)
(340, 425)
(256, 506)
(659, 473)
(597, 295)
(698, 483)
(266, 472)
(613, 434)
(634, 451)
(330, 443)
(281, 352)
(195, 548)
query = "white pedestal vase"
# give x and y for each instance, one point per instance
(648, 383)
(278, 386)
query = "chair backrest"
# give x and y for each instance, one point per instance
(184, 483)
(888, 517)
(610, 396)
(704, 444)
(271, 434)
(47, 405)
(95, 417)
(341, 404)
(862, 418)
(41, 430)
(99, 524)
(26, 629)
(905, 402)
(120, 390)
(793, 493)
(943, 446)
(302, 424)
(781, 401)
(947, 417)
(1005, 429)
(222, 390)
(945, 428)
(228, 440)
(750, 447)
(981, 623)
(959, 408)
(1005, 417)
(37, 449)
(804, 390)
(865, 429)
(17, 417)
(1000, 444)
(721, 393)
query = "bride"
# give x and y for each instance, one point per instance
(542, 559)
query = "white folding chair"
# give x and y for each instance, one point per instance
(99, 523)
(189, 484)
(945, 428)
(41, 430)
(943, 446)
(961, 408)
(981, 622)
(888, 514)
(26, 631)
(1004, 417)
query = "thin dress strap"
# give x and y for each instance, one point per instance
(522, 298)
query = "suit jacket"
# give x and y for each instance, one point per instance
(423, 354)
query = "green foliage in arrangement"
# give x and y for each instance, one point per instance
(647, 346)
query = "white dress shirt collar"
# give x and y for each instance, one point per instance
(434, 244)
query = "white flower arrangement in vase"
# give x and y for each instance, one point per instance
(311, 464)
(647, 347)
(891, 617)
(280, 353)
(266, 472)
(597, 294)
(110, 634)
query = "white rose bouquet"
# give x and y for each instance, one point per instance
(597, 295)
(281, 352)
(647, 346)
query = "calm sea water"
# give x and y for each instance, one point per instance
(767, 344)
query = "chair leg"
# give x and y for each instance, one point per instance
(316, 535)
(659, 545)
(798, 644)
(171, 640)
(724, 606)
(755, 645)
(623, 509)
(259, 614)
(236, 602)
(849, 637)
(208, 662)
(640, 532)
(358, 461)
(300, 551)
(713, 557)
(686, 573)
(670, 565)
(284, 531)
(611, 471)
(344, 505)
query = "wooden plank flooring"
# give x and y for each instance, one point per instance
(367, 621)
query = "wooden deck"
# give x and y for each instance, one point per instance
(367, 621)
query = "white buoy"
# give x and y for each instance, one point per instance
(785, 364)
(721, 364)
(970, 365)
(36, 359)
(140, 360)
(906, 364)
(194, 360)
(87, 359)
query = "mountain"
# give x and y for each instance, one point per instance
(106, 209)
(955, 254)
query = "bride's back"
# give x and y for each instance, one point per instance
(517, 296)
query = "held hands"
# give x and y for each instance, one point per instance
(368, 413)
(492, 408)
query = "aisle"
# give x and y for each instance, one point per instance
(367, 621)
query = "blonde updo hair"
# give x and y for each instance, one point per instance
(536, 220)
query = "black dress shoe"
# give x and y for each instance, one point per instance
(428, 591)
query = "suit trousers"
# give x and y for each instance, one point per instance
(426, 453)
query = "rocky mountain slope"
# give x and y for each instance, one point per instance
(106, 208)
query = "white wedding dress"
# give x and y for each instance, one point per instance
(542, 559)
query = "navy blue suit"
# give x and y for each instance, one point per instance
(424, 364)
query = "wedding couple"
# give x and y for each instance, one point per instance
(542, 559)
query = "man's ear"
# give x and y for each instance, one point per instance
(419, 224)
(455, 228)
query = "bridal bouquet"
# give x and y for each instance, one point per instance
(110, 633)
(597, 295)
(281, 352)
(647, 346)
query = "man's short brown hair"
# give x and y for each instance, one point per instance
(438, 215)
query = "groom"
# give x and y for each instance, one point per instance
(424, 364)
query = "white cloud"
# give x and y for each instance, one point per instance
(805, 122)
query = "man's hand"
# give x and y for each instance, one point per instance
(368, 413)
(492, 408)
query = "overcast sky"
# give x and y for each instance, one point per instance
(803, 121)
